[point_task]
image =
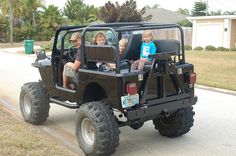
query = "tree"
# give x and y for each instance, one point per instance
(30, 12)
(185, 23)
(199, 9)
(215, 13)
(183, 11)
(127, 12)
(24, 15)
(4, 26)
(109, 13)
(229, 13)
(80, 13)
(50, 20)
(22, 9)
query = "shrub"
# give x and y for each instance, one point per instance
(47, 47)
(22, 33)
(185, 23)
(233, 49)
(210, 48)
(222, 49)
(4, 25)
(187, 47)
(198, 48)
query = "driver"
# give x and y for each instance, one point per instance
(70, 68)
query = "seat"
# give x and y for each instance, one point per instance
(132, 50)
(105, 54)
(170, 46)
(95, 54)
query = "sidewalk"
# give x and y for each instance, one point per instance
(18, 50)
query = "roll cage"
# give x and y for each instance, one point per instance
(116, 29)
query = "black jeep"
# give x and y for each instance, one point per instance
(108, 99)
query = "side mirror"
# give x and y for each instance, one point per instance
(41, 55)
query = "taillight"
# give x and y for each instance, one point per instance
(131, 88)
(192, 78)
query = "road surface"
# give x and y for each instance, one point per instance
(213, 133)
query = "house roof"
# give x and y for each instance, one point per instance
(212, 17)
(160, 15)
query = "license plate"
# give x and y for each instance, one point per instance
(129, 100)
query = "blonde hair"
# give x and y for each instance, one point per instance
(148, 33)
(123, 41)
(98, 35)
(75, 36)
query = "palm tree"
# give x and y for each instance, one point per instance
(50, 20)
(17, 6)
(22, 9)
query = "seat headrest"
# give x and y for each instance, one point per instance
(104, 53)
(167, 45)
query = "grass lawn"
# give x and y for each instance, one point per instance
(215, 69)
(22, 139)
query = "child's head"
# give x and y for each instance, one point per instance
(147, 36)
(76, 39)
(122, 44)
(99, 38)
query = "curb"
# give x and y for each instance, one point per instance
(225, 91)
(17, 53)
(18, 50)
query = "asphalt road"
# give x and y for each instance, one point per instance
(213, 133)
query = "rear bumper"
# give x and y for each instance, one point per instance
(152, 112)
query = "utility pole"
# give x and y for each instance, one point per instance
(206, 7)
(11, 22)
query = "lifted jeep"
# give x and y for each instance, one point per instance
(106, 100)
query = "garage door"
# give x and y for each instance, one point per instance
(209, 34)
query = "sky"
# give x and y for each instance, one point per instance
(224, 5)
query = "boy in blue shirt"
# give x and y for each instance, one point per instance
(147, 48)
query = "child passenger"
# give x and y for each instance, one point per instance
(122, 44)
(147, 48)
(99, 38)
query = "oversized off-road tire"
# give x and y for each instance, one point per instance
(34, 103)
(96, 129)
(177, 124)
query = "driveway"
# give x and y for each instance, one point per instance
(213, 133)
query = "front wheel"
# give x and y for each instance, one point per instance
(96, 129)
(177, 124)
(34, 103)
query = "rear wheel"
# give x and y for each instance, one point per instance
(34, 103)
(177, 124)
(96, 129)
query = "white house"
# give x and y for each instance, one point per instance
(218, 31)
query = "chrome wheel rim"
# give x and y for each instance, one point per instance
(27, 104)
(88, 131)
